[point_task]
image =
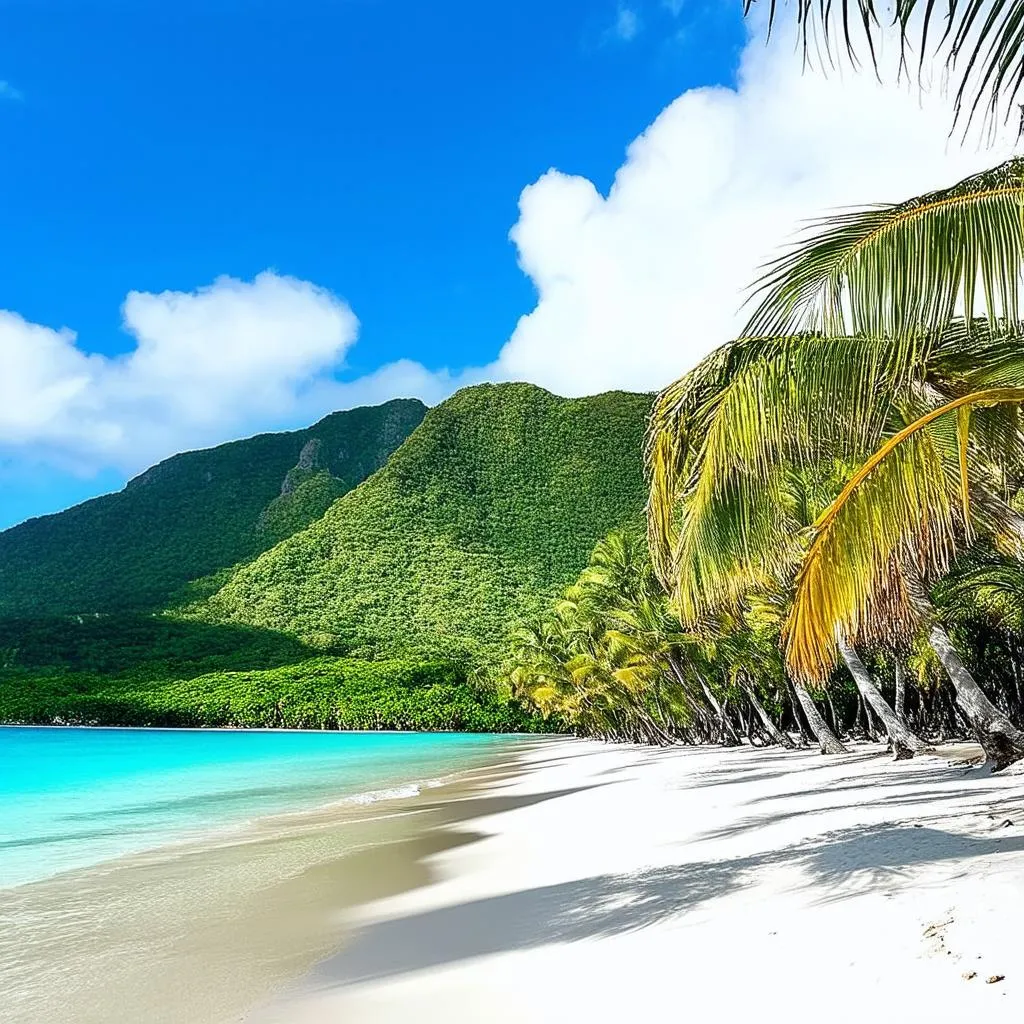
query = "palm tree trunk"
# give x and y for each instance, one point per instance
(747, 724)
(704, 719)
(828, 741)
(901, 693)
(774, 732)
(904, 743)
(1001, 740)
(859, 730)
(728, 733)
(798, 717)
(837, 725)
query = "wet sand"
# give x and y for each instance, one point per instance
(201, 932)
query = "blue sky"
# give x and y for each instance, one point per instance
(222, 217)
(377, 149)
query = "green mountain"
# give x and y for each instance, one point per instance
(371, 601)
(492, 505)
(192, 515)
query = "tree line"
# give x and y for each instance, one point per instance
(835, 505)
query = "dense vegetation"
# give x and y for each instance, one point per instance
(485, 512)
(192, 515)
(834, 506)
(373, 617)
(153, 670)
(610, 658)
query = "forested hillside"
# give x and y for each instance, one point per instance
(493, 504)
(192, 515)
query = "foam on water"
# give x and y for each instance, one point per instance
(74, 797)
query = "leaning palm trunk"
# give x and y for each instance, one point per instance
(729, 737)
(774, 732)
(1001, 740)
(704, 718)
(904, 742)
(828, 741)
(901, 693)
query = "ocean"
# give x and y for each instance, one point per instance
(72, 798)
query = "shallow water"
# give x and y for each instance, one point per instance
(71, 798)
(171, 876)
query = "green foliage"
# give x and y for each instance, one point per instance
(319, 693)
(145, 646)
(371, 617)
(297, 508)
(609, 658)
(489, 508)
(158, 670)
(193, 515)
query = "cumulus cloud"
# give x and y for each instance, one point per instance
(637, 285)
(633, 286)
(206, 365)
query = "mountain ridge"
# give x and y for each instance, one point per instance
(190, 515)
(491, 504)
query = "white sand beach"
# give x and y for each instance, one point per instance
(612, 883)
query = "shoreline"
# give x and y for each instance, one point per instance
(278, 728)
(203, 929)
(603, 883)
(566, 880)
(205, 784)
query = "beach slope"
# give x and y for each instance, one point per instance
(608, 883)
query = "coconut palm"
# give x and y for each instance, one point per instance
(740, 464)
(980, 42)
(902, 274)
(895, 524)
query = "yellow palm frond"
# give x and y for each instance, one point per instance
(897, 508)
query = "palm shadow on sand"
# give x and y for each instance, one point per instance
(838, 864)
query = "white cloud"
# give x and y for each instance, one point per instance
(627, 24)
(634, 287)
(404, 378)
(206, 365)
(8, 92)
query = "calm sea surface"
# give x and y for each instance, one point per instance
(70, 798)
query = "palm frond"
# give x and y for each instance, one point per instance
(986, 585)
(904, 271)
(898, 508)
(979, 43)
(735, 457)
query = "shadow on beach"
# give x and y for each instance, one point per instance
(841, 864)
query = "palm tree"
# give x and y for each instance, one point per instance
(738, 471)
(980, 44)
(895, 524)
(902, 274)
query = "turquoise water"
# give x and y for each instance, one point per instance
(74, 797)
